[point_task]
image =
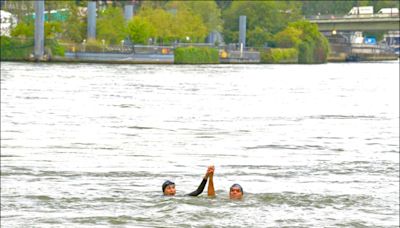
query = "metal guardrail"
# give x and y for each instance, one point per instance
(358, 16)
(232, 52)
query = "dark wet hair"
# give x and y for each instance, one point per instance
(237, 186)
(166, 183)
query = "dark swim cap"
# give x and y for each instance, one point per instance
(237, 186)
(166, 183)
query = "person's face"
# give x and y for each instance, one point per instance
(235, 193)
(170, 190)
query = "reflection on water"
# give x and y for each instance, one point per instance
(90, 145)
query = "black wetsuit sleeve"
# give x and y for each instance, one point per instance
(200, 189)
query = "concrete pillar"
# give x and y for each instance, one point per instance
(39, 29)
(91, 13)
(242, 31)
(128, 13)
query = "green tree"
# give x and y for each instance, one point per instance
(207, 10)
(314, 47)
(111, 25)
(74, 28)
(269, 16)
(223, 4)
(190, 25)
(23, 30)
(27, 30)
(140, 30)
(288, 38)
(305, 53)
(52, 29)
(258, 37)
(153, 4)
(169, 26)
(162, 22)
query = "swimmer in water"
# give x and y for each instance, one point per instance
(235, 191)
(168, 187)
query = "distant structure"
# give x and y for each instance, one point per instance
(39, 30)
(215, 38)
(91, 20)
(242, 31)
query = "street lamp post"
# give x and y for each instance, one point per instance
(84, 45)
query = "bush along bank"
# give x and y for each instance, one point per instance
(196, 55)
(13, 49)
(279, 55)
(311, 46)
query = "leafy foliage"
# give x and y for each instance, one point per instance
(195, 55)
(55, 48)
(289, 37)
(74, 28)
(279, 55)
(169, 27)
(267, 16)
(27, 30)
(23, 30)
(140, 30)
(20, 49)
(15, 49)
(111, 25)
(207, 10)
(312, 46)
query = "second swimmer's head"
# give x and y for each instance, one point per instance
(236, 191)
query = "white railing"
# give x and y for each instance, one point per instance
(356, 16)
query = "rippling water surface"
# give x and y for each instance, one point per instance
(89, 145)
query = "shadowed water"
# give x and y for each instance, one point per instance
(89, 145)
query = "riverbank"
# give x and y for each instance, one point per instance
(140, 58)
(120, 58)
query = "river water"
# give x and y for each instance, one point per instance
(89, 145)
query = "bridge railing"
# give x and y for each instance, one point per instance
(336, 16)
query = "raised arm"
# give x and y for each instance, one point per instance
(210, 190)
(202, 185)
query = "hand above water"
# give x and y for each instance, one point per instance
(210, 171)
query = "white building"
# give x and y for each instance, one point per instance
(8, 22)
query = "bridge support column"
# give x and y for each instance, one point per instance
(242, 31)
(128, 14)
(91, 11)
(39, 30)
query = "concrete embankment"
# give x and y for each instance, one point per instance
(116, 57)
(134, 58)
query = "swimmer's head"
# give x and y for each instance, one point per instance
(168, 188)
(236, 191)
